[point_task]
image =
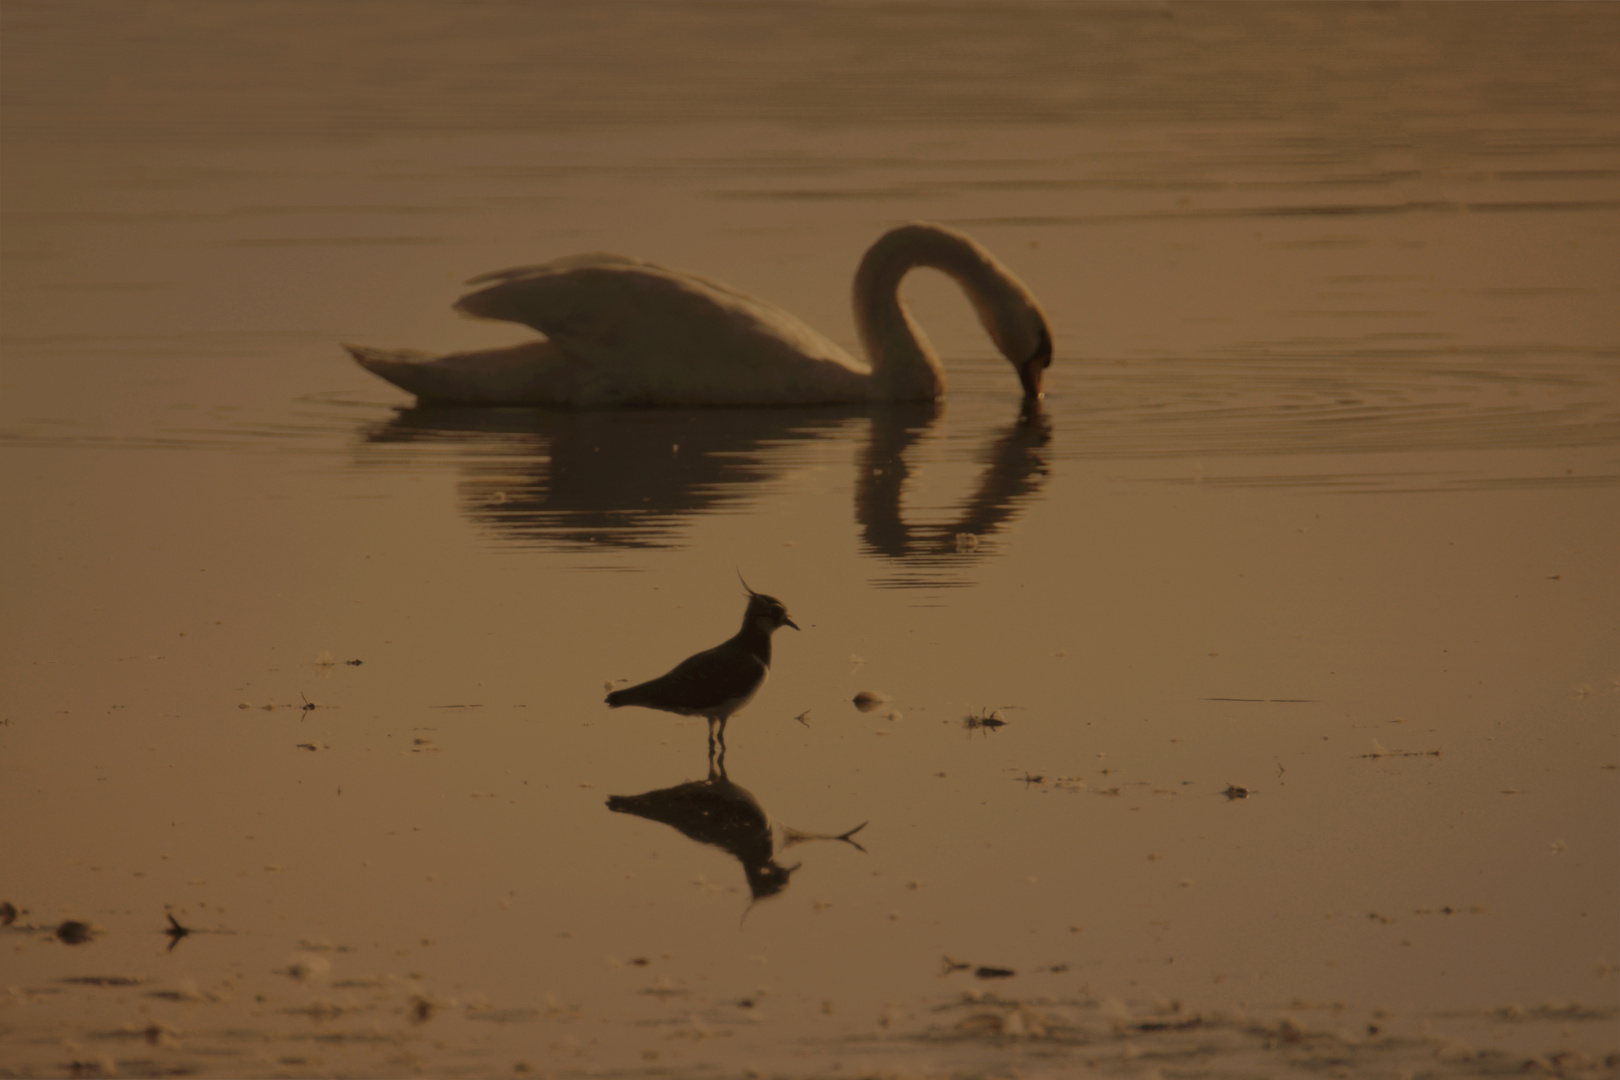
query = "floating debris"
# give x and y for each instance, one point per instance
(175, 931)
(1378, 751)
(317, 1010)
(1234, 791)
(75, 932)
(8, 913)
(985, 720)
(185, 991)
(981, 972)
(869, 700)
(306, 967)
(1169, 1025)
(1265, 700)
(662, 988)
(1285, 1032)
(801, 718)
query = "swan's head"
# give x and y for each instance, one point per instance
(1007, 309)
(1018, 327)
(1033, 369)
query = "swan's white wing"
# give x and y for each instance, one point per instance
(567, 262)
(640, 334)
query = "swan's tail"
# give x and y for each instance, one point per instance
(530, 373)
(385, 361)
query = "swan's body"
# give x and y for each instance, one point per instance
(623, 332)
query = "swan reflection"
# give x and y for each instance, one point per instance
(635, 479)
(622, 479)
(718, 812)
(1013, 469)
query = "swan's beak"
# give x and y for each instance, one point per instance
(1030, 375)
(1033, 370)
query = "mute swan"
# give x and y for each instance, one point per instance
(619, 331)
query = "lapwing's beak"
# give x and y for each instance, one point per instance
(789, 622)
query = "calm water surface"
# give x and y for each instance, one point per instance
(1298, 598)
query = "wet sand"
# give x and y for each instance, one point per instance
(1292, 611)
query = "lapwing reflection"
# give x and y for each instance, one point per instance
(716, 683)
(718, 812)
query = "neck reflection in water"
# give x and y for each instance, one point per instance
(633, 479)
(722, 814)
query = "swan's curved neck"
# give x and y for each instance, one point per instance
(904, 364)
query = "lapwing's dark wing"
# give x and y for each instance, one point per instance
(699, 684)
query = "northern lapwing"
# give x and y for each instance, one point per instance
(716, 683)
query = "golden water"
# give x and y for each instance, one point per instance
(1322, 505)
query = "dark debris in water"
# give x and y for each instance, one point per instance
(76, 932)
(104, 980)
(982, 971)
(985, 720)
(1378, 751)
(175, 931)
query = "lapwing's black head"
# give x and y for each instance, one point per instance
(766, 612)
(766, 880)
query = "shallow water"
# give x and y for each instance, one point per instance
(1297, 598)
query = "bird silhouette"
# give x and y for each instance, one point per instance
(619, 331)
(716, 683)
